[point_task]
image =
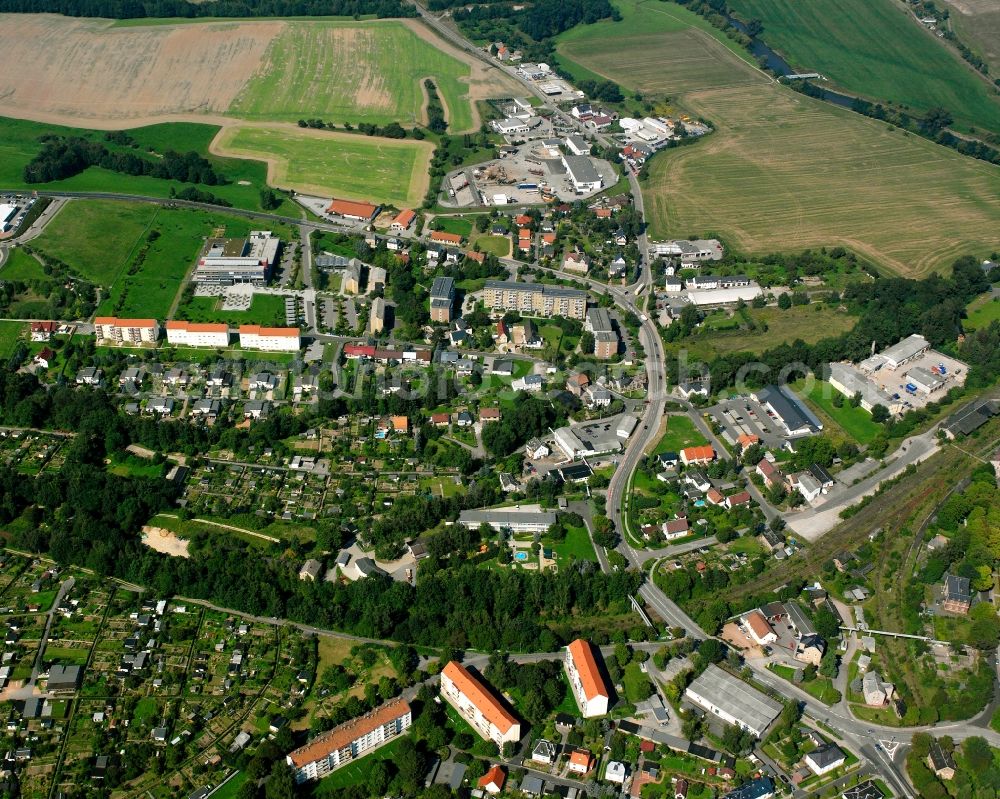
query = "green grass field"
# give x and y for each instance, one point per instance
(10, 333)
(681, 433)
(783, 171)
(977, 23)
(875, 48)
(21, 266)
(351, 72)
(356, 772)
(979, 314)
(855, 422)
(454, 224)
(266, 309)
(19, 144)
(337, 164)
(636, 684)
(96, 238)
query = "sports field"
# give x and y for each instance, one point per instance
(875, 48)
(96, 74)
(783, 171)
(324, 163)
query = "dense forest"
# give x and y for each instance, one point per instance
(138, 9)
(63, 157)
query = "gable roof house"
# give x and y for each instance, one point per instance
(957, 594)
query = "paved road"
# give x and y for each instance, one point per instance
(27, 690)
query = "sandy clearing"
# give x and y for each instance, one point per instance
(277, 167)
(87, 71)
(165, 541)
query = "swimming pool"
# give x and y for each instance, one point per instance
(699, 503)
(520, 556)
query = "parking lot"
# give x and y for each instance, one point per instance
(743, 416)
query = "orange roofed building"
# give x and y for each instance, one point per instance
(403, 220)
(492, 781)
(580, 761)
(441, 237)
(699, 455)
(477, 705)
(195, 334)
(591, 692)
(349, 741)
(271, 339)
(349, 209)
(401, 424)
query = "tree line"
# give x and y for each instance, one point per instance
(63, 157)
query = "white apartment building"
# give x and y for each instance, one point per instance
(592, 695)
(478, 706)
(194, 334)
(349, 741)
(270, 339)
(126, 331)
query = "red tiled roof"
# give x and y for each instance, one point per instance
(198, 327)
(352, 208)
(473, 690)
(258, 330)
(586, 666)
(446, 238)
(405, 218)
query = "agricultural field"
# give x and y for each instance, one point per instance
(19, 143)
(977, 24)
(783, 172)
(364, 72)
(876, 48)
(660, 50)
(93, 72)
(325, 163)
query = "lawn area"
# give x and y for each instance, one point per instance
(19, 144)
(855, 422)
(266, 309)
(355, 772)
(979, 314)
(21, 266)
(232, 787)
(133, 466)
(355, 72)
(325, 163)
(493, 245)
(637, 685)
(681, 433)
(577, 545)
(67, 655)
(822, 689)
(10, 333)
(96, 238)
(877, 49)
(459, 225)
(782, 171)
(145, 710)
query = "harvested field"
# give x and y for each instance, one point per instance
(339, 164)
(72, 71)
(784, 172)
(977, 23)
(105, 76)
(165, 541)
